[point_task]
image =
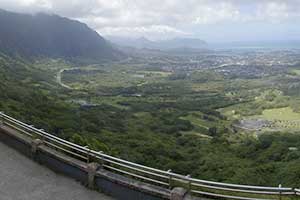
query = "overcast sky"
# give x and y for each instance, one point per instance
(211, 20)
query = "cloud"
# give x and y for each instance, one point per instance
(26, 5)
(152, 31)
(278, 11)
(161, 17)
(217, 13)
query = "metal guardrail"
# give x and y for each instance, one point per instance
(166, 179)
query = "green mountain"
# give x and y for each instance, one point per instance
(44, 35)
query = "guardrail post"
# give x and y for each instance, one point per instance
(1, 118)
(178, 193)
(34, 147)
(170, 178)
(42, 137)
(88, 154)
(189, 182)
(34, 134)
(279, 191)
(92, 169)
(101, 162)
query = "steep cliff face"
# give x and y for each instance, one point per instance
(51, 36)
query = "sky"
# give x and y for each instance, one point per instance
(210, 20)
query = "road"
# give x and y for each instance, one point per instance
(23, 179)
(59, 77)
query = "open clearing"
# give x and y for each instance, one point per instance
(280, 114)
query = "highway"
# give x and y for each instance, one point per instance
(23, 179)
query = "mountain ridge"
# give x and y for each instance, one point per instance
(49, 35)
(174, 43)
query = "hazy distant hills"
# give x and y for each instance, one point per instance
(276, 44)
(51, 36)
(176, 43)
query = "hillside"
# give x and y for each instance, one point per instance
(44, 35)
(156, 118)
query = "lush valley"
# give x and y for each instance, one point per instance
(180, 119)
(230, 115)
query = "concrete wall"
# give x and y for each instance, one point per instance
(60, 165)
(21, 143)
(122, 187)
(115, 185)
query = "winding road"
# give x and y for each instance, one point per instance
(59, 77)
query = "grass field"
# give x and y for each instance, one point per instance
(281, 119)
(280, 114)
(296, 71)
(124, 77)
(196, 120)
(202, 124)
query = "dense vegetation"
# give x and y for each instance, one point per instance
(161, 120)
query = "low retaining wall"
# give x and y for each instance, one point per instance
(117, 186)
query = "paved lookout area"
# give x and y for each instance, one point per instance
(23, 179)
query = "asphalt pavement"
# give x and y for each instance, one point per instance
(24, 179)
